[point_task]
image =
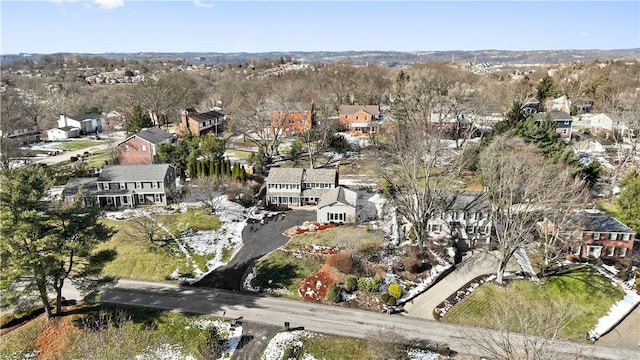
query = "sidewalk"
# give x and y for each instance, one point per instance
(479, 263)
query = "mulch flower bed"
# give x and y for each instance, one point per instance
(314, 288)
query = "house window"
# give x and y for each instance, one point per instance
(565, 131)
(106, 186)
(470, 229)
(303, 121)
(622, 252)
(594, 251)
(292, 121)
(125, 199)
(138, 185)
(366, 118)
(596, 236)
(473, 216)
(155, 184)
(610, 251)
(140, 198)
(144, 147)
(357, 118)
(483, 216)
(625, 237)
(123, 186)
(577, 250)
(157, 197)
(126, 147)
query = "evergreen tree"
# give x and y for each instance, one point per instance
(137, 120)
(41, 246)
(212, 169)
(629, 201)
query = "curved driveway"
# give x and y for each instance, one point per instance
(258, 240)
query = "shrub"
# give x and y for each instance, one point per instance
(350, 283)
(341, 261)
(333, 293)
(384, 297)
(395, 290)
(622, 275)
(391, 301)
(368, 284)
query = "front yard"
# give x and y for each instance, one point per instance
(572, 301)
(74, 145)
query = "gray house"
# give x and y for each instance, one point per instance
(131, 185)
(299, 187)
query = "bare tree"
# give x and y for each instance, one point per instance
(385, 344)
(523, 189)
(210, 191)
(419, 166)
(146, 227)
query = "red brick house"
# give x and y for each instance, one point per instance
(360, 119)
(140, 148)
(210, 122)
(291, 119)
(605, 237)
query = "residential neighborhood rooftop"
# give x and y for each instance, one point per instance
(320, 176)
(285, 175)
(206, 116)
(114, 173)
(154, 135)
(352, 109)
(604, 223)
(74, 184)
(340, 195)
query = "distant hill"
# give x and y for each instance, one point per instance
(390, 58)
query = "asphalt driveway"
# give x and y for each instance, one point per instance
(258, 240)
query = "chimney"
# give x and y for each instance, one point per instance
(62, 122)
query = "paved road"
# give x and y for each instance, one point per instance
(626, 334)
(258, 240)
(480, 263)
(255, 338)
(322, 318)
(66, 155)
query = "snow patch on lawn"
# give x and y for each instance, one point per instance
(417, 354)
(165, 352)
(232, 332)
(279, 343)
(618, 311)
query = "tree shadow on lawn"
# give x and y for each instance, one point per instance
(276, 276)
(567, 277)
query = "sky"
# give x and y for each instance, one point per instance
(101, 26)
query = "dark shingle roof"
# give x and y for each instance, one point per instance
(205, 116)
(68, 128)
(125, 173)
(604, 223)
(154, 135)
(73, 185)
(467, 201)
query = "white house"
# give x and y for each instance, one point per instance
(299, 187)
(63, 133)
(87, 123)
(337, 205)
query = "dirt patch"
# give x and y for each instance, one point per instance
(55, 336)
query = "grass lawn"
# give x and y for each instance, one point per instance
(238, 154)
(77, 144)
(344, 235)
(586, 295)
(115, 333)
(329, 347)
(21, 340)
(279, 270)
(97, 159)
(137, 259)
(194, 219)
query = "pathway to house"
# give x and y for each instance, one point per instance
(479, 263)
(626, 334)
